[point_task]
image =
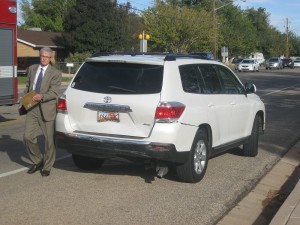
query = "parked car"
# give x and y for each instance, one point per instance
(249, 65)
(236, 63)
(297, 63)
(274, 63)
(168, 111)
(288, 62)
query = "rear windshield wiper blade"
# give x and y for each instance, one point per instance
(121, 89)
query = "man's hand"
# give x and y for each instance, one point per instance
(38, 97)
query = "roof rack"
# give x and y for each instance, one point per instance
(168, 56)
(96, 54)
(173, 57)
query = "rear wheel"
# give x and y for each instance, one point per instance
(251, 147)
(87, 163)
(194, 169)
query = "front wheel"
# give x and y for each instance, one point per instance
(251, 147)
(87, 163)
(194, 169)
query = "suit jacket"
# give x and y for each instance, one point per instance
(49, 88)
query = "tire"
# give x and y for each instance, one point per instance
(251, 147)
(194, 169)
(87, 163)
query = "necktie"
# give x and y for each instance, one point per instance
(39, 82)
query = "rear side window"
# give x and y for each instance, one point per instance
(119, 78)
(190, 78)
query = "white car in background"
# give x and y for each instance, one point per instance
(249, 65)
(297, 63)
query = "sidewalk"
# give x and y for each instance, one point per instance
(260, 206)
(289, 213)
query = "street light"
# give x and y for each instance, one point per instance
(214, 11)
(143, 41)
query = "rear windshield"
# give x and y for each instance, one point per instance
(119, 78)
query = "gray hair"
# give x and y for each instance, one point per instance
(46, 49)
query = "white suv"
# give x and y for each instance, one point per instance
(172, 111)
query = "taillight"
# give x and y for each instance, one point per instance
(168, 112)
(62, 104)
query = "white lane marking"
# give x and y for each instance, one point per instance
(279, 90)
(25, 168)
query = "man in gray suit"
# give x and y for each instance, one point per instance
(45, 80)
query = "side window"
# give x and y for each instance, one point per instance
(190, 79)
(210, 78)
(230, 83)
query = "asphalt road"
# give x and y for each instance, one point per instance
(125, 193)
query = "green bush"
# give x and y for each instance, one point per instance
(78, 57)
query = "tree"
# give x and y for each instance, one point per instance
(269, 40)
(236, 31)
(177, 29)
(99, 26)
(44, 14)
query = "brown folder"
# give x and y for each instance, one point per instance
(27, 101)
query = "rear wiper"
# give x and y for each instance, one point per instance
(121, 89)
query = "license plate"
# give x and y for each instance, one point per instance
(104, 116)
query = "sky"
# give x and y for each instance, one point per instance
(280, 11)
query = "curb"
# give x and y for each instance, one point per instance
(289, 212)
(264, 203)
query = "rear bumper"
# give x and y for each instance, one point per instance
(107, 147)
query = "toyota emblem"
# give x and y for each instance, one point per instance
(107, 99)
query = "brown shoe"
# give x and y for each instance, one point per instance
(35, 167)
(45, 173)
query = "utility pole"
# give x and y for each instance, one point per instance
(214, 29)
(287, 38)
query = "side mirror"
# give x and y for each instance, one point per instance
(250, 88)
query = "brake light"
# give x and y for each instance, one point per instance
(62, 104)
(168, 112)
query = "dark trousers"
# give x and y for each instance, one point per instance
(33, 125)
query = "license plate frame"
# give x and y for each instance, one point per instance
(107, 116)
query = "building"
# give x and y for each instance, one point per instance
(29, 43)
